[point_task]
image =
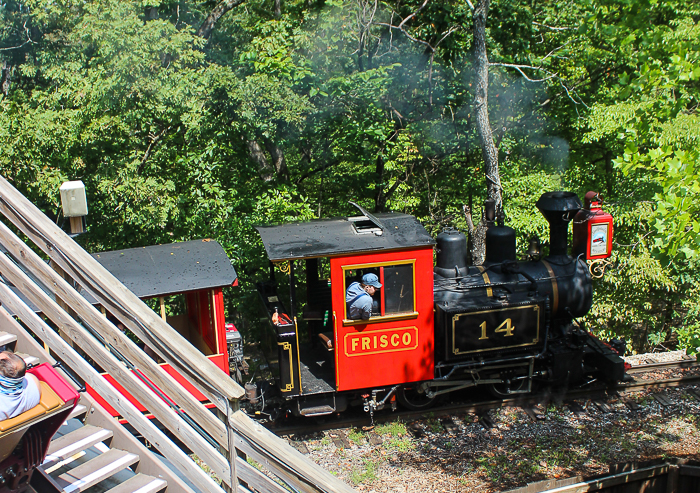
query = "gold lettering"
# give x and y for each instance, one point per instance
(375, 342)
(508, 329)
(406, 338)
(383, 341)
(354, 343)
(395, 342)
(365, 343)
(483, 331)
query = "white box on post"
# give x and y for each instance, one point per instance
(74, 204)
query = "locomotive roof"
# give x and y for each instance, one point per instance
(173, 268)
(343, 235)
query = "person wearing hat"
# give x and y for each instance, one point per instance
(359, 297)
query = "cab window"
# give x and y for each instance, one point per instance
(398, 286)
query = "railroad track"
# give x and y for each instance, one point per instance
(598, 394)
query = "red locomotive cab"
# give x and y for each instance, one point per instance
(593, 230)
(395, 345)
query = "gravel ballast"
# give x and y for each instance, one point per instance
(459, 454)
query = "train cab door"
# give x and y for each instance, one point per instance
(396, 344)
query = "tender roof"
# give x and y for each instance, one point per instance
(330, 237)
(167, 269)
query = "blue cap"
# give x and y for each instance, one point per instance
(371, 280)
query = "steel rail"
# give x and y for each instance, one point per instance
(687, 363)
(303, 426)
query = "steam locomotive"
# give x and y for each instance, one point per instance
(507, 324)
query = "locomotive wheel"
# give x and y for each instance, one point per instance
(413, 399)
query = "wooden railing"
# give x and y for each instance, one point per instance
(220, 440)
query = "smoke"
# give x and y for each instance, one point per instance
(555, 153)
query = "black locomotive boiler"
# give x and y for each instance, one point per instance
(511, 324)
(435, 329)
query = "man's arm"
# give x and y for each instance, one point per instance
(366, 309)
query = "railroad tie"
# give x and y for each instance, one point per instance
(603, 406)
(662, 399)
(632, 405)
(486, 421)
(576, 408)
(695, 394)
(535, 413)
(448, 424)
(340, 440)
(416, 430)
(299, 446)
(374, 439)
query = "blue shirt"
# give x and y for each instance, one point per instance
(14, 405)
(359, 302)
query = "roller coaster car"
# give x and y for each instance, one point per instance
(192, 275)
(25, 439)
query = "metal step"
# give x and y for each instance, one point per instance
(75, 441)
(140, 483)
(7, 338)
(95, 470)
(317, 411)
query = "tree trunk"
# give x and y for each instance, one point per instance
(379, 199)
(278, 161)
(221, 8)
(278, 9)
(5, 77)
(258, 155)
(481, 102)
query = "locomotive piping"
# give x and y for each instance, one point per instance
(555, 287)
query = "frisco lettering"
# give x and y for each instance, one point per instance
(382, 341)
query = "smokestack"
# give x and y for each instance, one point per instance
(558, 208)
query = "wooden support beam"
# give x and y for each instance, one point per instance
(60, 288)
(125, 377)
(140, 319)
(288, 464)
(115, 399)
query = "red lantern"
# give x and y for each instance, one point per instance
(593, 230)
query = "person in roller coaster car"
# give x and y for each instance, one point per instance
(359, 299)
(18, 392)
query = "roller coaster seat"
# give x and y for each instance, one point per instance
(24, 439)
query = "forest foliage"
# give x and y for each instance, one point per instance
(287, 110)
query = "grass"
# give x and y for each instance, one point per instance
(394, 429)
(403, 444)
(434, 425)
(356, 436)
(366, 473)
